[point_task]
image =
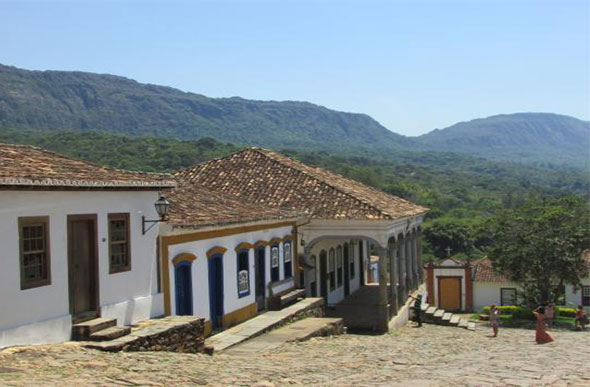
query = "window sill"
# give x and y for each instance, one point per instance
(36, 284)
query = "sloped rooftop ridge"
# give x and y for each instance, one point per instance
(337, 198)
(31, 166)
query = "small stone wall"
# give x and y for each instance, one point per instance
(314, 310)
(172, 334)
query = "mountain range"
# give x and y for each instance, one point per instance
(52, 101)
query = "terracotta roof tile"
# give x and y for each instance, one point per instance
(484, 272)
(194, 206)
(29, 166)
(267, 178)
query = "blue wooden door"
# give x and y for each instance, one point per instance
(216, 290)
(184, 289)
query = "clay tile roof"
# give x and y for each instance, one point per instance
(194, 206)
(267, 178)
(484, 272)
(28, 166)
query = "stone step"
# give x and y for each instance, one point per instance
(455, 320)
(446, 318)
(83, 330)
(471, 326)
(110, 333)
(263, 323)
(424, 307)
(431, 310)
(438, 315)
(463, 323)
(301, 330)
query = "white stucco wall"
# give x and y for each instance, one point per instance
(41, 315)
(573, 295)
(337, 294)
(200, 269)
(488, 293)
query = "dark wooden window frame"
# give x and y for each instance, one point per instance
(239, 262)
(585, 299)
(29, 221)
(120, 216)
(275, 272)
(288, 264)
(503, 302)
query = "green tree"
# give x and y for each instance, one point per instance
(451, 233)
(540, 245)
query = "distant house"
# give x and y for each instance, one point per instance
(344, 222)
(222, 258)
(449, 284)
(72, 245)
(449, 287)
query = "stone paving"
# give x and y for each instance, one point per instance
(428, 356)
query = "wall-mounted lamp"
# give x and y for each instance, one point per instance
(162, 205)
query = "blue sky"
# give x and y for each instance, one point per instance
(412, 65)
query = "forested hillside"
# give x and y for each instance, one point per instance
(53, 101)
(541, 138)
(61, 100)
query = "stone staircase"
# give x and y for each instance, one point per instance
(433, 315)
(98, 329)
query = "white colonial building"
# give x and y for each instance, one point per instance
(345, 221)
(471, 285)
(223, 259)
(72, 245)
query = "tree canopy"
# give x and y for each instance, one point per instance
(540, 245)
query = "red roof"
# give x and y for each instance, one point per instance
(484, 272)
(272, 180)
(29, 167)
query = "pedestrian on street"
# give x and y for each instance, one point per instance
(493, 318)
(541, 334)
(581, 318)
(417, 308)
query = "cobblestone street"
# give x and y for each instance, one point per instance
(431, 356)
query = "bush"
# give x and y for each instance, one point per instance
(517, 312)
(565, 312)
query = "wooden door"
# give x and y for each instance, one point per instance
(216, 291)
(184, 289)
(260, 277)
(83, 267)
(449, 293)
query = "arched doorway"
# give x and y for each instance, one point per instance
(184, 288)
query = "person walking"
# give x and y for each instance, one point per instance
(493, 318)
(417, 308)
(541, 334)
(581, 317)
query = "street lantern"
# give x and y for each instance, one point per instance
(162, 205)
